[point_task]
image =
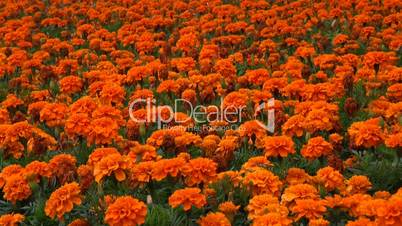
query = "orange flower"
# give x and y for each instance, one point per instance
(278, 146)
(315, 148)
(36, 169)
(62, 200)
(187, 197)
(214, 219)
(297, 176)
(141, 173)
(358, 184)
(126, 210)
(16, 188)
(199, 170)
(263, 181)
(272, 219)
(85, 175)
(318, 222)
(77, 124)
(63, 167)
(309, 208)
(79, 222)
(102, 131)
(71, 84)
(12, 219)
(53, 114)
(165, 167)
(299, 191)
(366, 134)
(112, 163)
(228, 208)
(293, 126)
(11, 101)
(260, 205)
(330, 178)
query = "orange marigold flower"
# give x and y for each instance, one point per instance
(165, 167)
(8, 171)
(79, 222)
(256, 162)
(278, 146)
(53, 114)
(12, 219)
(252, 128)
(16, 188)
(36, 168)
(309, 208)
(297, 176)
(77, 124)
(260, 205)
(330, 178)
(299, 191)
(102, 131)
(366, 134)
(71, 84)
(293, 126)
(315, 148)
(199, 170)
(318, 222)
(214, 219)
(113, 163)
(62, 200)
(126, 210)
(63, 167)
(272, 219)
(362, 221)
(187, 197)
(98, 154)
(394, 140)
(263, 181)
(11, 101)
(141, 173)
(358, 184)
(228, 208)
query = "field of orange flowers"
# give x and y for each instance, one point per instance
(200, 112)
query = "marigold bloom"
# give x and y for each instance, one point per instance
(79, 222)
(315, 148)
(53, 114)
(112, 163)
(278, 146)
(214, 219)
(126, 210)
(260, 205)
(297, 176)
(228, 208)
(272, 219)
(199, 170)
(366, 134)
(309, 208)
(165, 167)
(330, 178)
(12, 219)
(187, 197)
(62, 200)
(63, 167)
(299, 191)
(71, 84)
(263, 181)
(16, 189)
(102, 131)
(358, 184)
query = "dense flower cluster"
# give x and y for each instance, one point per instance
(327, 75)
